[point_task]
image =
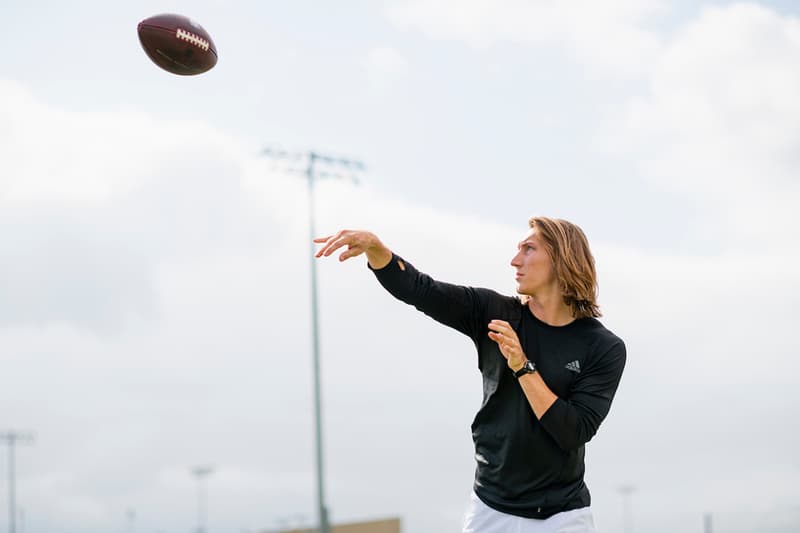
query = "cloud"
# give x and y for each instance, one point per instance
(720, 124)
(93, 203)
(57, 267)
(609, 36)
(385, 66)
(199, 257)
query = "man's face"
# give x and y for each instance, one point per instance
(533, 264)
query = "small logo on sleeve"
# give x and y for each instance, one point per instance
(575, 366)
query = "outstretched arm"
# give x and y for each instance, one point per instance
(456, 306)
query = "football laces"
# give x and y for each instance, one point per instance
(191, 38)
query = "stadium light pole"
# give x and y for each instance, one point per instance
(626, 491)
(12, 438)
(341, 168)
(130, 515)
(707, 528)
(201, 472)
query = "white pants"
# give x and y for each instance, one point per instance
(481, 518)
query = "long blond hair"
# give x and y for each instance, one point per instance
(573, 263)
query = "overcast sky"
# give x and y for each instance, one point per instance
(154, 267)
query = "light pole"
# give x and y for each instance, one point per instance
(130, 514)
(12, 438)
(707, 523)
(201, 473)
(337, 167)
(627, 512)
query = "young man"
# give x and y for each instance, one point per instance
(550, 370)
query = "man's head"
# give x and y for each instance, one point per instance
(557, 251)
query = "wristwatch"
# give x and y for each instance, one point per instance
(527, 368)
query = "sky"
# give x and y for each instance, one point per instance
(155, 265)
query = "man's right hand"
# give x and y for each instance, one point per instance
(357, 242)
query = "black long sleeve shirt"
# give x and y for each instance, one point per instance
(526, 466)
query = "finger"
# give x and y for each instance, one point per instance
(344, 237)
(503, 337)
(324, 241)
(327, 242)
(501, 341)
(350, 252)
(502, 348)
(508, 347)
(501, 326)
(504, 328)
(332, 245)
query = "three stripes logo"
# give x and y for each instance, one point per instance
(574, 366)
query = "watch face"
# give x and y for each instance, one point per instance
(527, 368)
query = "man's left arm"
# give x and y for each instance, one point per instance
(574, 420)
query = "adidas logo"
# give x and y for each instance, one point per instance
(575, 366)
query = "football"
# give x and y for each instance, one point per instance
(177, 44)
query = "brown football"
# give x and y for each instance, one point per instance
(177, 44)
